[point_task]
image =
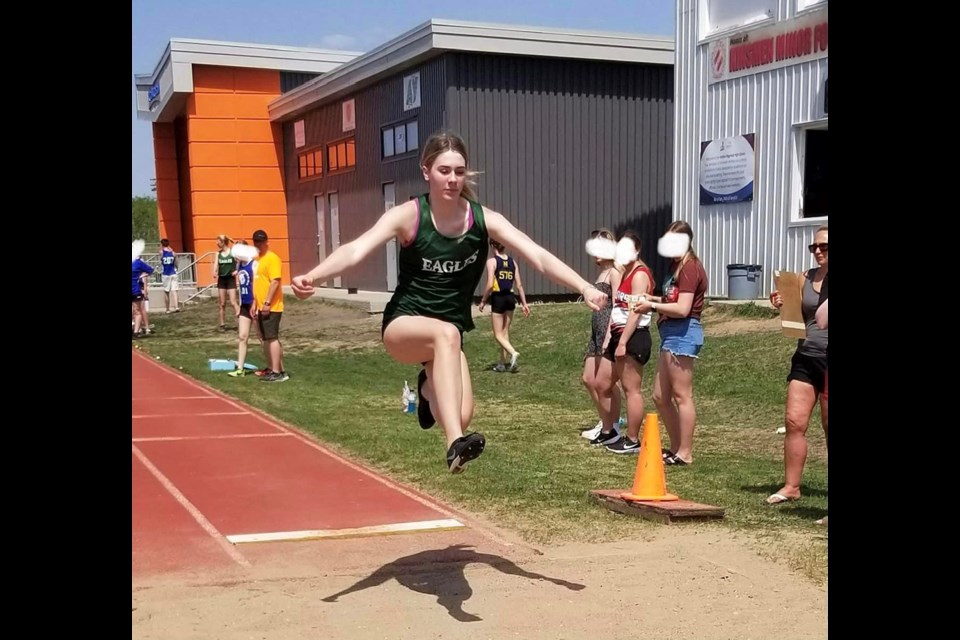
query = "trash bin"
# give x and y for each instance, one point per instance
(743, 281)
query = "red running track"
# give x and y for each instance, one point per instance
(211, 475)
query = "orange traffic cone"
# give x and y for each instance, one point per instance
(650, 483)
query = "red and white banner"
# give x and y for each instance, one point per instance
(780, 45)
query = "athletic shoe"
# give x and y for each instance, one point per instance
(463, 450)
(593, 432)
(605, 438)
(625, 445)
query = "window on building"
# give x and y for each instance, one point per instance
(724, 16)
(816, 190)
(341, 155)
(811, 175)
(806, 4)
(311, 164)
(400, 138)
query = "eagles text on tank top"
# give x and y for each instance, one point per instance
(504, 270)
(625, 297)
(167, 259)
(438, 275)
(225, 265)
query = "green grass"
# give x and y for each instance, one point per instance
(751, 310)
(536, 471)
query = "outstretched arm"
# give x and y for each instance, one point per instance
(347, 256)
(541, 259)
(510, 568)
(375, 579)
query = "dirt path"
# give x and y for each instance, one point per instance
(700, 582)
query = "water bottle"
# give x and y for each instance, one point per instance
(408, 399)
(412, 402)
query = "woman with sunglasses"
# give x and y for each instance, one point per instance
(807, 377)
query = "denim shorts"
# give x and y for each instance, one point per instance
(681, 336)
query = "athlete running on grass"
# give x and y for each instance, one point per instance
(443, 237)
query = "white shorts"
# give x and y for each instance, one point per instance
(169, 283)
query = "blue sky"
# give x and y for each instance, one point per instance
(352, 25)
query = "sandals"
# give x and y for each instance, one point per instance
(779, 498)
(671, 458)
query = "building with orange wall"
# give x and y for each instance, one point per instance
(219, 158)
(571, 129)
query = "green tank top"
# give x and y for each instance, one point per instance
(439, 275)
(225, 265)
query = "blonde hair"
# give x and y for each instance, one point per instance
(603, 232)
(444, 141)
(224, 239)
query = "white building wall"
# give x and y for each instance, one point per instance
(769, 104)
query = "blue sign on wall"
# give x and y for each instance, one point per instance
(154, 92)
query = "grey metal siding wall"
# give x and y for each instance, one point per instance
(566, 146)
(360, 190)
(290, 80)
(769, 104)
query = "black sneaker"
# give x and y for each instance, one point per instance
(463, 450)
(605, 438)
(625, 445)
(424, 415)
(275, 376)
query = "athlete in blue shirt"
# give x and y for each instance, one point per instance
(168, 259)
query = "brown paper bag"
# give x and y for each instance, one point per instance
(791, 313)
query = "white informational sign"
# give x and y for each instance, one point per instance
(411, 91)
(727, 168)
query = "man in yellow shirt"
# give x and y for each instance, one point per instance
(268, 302)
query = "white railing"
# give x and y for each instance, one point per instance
(186, 271)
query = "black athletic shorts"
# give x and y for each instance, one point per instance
(638, 347)
(809, 368)
(502, 302)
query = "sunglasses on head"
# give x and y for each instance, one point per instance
(818, 245)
